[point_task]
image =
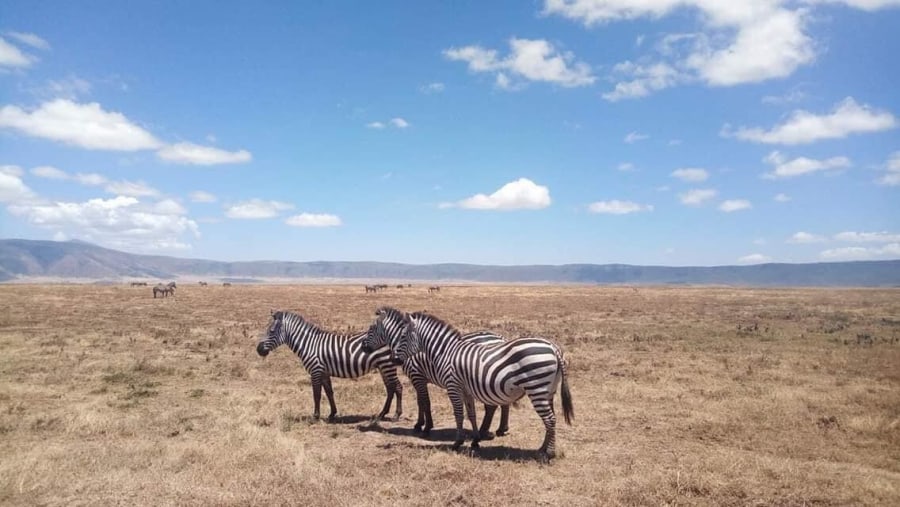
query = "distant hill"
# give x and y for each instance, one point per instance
(22, 260)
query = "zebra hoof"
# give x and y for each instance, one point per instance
(457, 445)
(502, 432)
(487, 435)
(331, 418)
(475, 444)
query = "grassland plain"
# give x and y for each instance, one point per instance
(683, 396)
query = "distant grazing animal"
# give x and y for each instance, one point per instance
(371, 288)
(226, 284)
(325, 355)
(163, 290)
(203, 284)
(496, 374)
(400, 286)
(434, 288)
(382, 286)
(171, 285)
(421, 373)
(138, 284)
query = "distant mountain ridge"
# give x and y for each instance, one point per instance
(21, 260)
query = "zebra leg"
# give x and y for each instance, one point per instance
(503, 429)
(456, 399)
(473, 419)
(391, 386)
(398, 390)
(543, 405)
(326, 381)
(485, 430)
(317, 394)
(424, 403)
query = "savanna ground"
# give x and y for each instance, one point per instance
(688, 396)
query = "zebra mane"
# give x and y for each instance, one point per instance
(390, 312)
(301, 323)
(435, 322)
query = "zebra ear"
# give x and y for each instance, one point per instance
(380, 312)
(277, 315)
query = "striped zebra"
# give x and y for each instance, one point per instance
(325, 355)
(495, 374)
(421, 373)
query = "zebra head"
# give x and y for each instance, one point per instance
(274, 335)
(389, 328)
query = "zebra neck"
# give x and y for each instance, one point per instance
(300, 336)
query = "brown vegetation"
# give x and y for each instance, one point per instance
(701, 396)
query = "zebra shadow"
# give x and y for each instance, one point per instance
(442, 435)
(486, 453)
(338, 419)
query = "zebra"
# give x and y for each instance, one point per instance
(164, 290)
(421, 373)
(226, 284)
(371, 288)
(203, 284)
(494, 374)
(325, 355)
(434, 288)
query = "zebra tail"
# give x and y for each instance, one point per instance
(568, 408)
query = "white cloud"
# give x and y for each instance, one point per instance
(400, 123)
(84, 125)
(528, 60)
(169, 207)
(256, 208)
(735, 205)
(70, 88)
(12, 189)
(375, 125)
(790, 97)
(30, 39)
(313, 220)
(805, 237)
(866, 5)
(11, 56)
(625, 167)
(432, 88)
(201, 196)
(131, 189)
(90, 179)
(755, 258)
(782, 198)
(690, 174)
(738, 42)
(868, 237)
(119, 222)
(802, 127)
(785, 168)
(697, 197)
(616, 207)
(12, 170)
(634, 137)
(49, 172)
(891, 176)
(520, 194)
(195, 154)
(854, 253)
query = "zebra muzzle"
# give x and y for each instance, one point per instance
(262, 350)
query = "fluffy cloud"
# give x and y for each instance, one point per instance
(520, 194)
(131, 189)
(866, 5)
(782, 198)
(30, 39)
(697, 196)
(432, 88)
(49, 172)
(868, 237)
(201, 196)
(690, 174)
(528, 60)
(90, 179)
(754, 259)
(313, 220)
(784, 168)
(735, 205)
(12, 189)
(805, 237)
(857, 253)
(634, 137)
(738, 43)
(189, 153)
(891, 176)
(85, 125)
(256, 208)
(11, 56)
(12, 170)
(375, 125)
(802, 127)
(625, 167)
(616, 207)
(119, 222)
(400, 123)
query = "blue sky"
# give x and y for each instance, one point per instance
(665, 132)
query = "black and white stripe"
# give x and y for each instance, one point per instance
(494, 374)
(421, 373)
(325, 355)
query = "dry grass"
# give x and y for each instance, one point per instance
(701, 396)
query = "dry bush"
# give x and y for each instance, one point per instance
(700, 396)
